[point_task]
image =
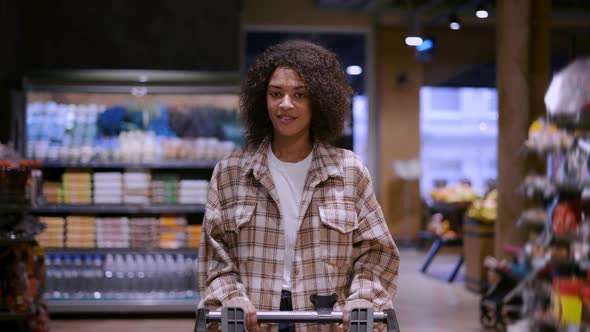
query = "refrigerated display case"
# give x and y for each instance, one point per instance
(125, 157)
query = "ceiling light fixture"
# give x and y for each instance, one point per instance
(481, 11)
(354, 70)
(454, 22)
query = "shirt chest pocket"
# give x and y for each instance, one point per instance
(240, 227)
(338, 222)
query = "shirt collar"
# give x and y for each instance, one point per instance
(324, 163)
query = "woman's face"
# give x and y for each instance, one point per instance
(288, 104)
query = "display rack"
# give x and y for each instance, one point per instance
(145, 306)
(160, 165)
(118, 209)
(454, 212)
(85, 88)
(560, 260)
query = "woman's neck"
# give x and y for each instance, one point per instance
(291, 149)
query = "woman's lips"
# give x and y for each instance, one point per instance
(286, 119)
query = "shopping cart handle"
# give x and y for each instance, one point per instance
(233, 319)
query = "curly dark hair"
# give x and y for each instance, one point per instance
(328, 89)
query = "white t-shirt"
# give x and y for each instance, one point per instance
(289, 180)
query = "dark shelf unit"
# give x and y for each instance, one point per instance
(165, 165)
(123, 306)
(11, 316)
(13, 208)
(83, 251)
(122, 82)
(12, 242)
(118, 209)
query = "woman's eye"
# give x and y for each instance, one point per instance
(275, 94)
(300, 95)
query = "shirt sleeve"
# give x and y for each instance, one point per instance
(375, 255)
(218, 275)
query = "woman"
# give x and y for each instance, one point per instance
(292, 216)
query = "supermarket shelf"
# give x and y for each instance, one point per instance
(118, 209)
(118, 306)
(82, 251)
(12, 242)
(164, 164)
(7, 316)
(13, 208)
(577, 121)
(541, 152)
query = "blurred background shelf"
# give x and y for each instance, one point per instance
(118, 209)
(122, 306)
(8, 316)
(83, 251)
(164, 164)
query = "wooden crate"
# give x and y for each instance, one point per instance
(478, 242)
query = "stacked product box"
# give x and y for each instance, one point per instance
(193, 191)
(108, 188)
(53, 236)
(112, 232)
(136, 186)
(52, 192)
(80, 232)
(193, 233)
(172, 232)
(144, 232)
(77, 187)
(165, 189)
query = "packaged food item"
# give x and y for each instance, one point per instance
(566, 303)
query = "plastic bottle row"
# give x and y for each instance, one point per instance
(120, 276)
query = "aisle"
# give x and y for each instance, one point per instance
(424, 304)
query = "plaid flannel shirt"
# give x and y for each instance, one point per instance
(343, 244)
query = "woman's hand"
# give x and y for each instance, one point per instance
(249, 311)
(354, 304)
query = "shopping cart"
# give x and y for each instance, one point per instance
(361, 319)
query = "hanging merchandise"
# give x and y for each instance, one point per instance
(555, 287)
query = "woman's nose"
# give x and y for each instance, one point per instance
(286, 102)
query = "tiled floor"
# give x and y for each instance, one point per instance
(424, 303)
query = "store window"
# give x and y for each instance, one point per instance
(350, 47)
(459, 131)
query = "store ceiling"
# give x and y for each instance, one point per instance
(437, 11)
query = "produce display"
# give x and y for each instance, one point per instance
(485, 209)
(456, 193)
(440, 226)
(545, 136)
(553, 284)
